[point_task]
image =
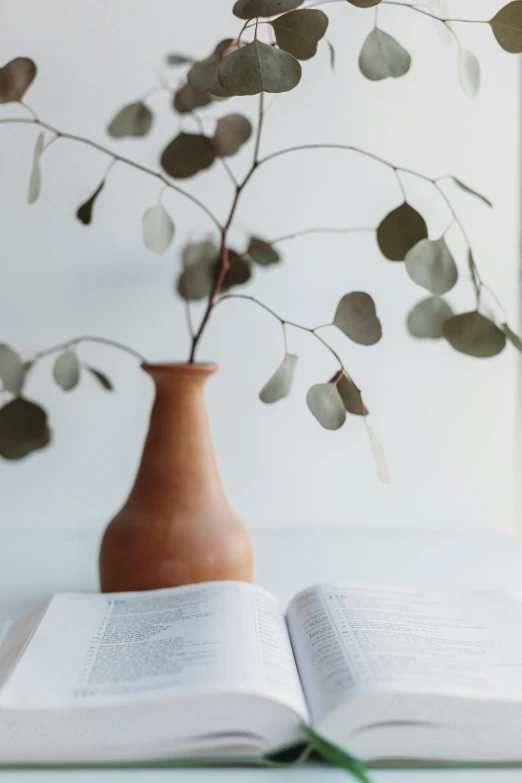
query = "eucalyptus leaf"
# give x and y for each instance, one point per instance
(12, 369)
(186, 99)
(66, 370)
(203, 75)
(474, 334)
(469, 72)
(15, 79)
(356, 317)
(280, 384)
(204, 252)
(35, 180)
(299, 32)
(175, 58)
(84, 212)
(383, 57)
(512, 336)
(262, 253)
(198, 275)
(378, 456)
(257, 68)
(430, 264)
(364, 3)
(158, 228)
(23, 429)
(507, 27)
(195, 282)
(325, 403)
(187, 154)
(232, 131)
(134, 120)
(350, 396)
(248, 9)
(467, 189)
(102, 379)
(400, 230)
(331, 51)
(239, 272)
(426, 319)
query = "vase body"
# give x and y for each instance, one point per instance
(177, 526)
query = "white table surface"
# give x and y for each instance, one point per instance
(34, 564)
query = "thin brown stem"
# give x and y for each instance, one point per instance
(400, 183)
(86, 339)
(120, 158)
(305, 232)
(432, 16)
(284, 322)
(223, 251)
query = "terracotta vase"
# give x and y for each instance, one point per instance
(177, 526)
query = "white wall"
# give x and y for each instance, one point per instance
(447, 421)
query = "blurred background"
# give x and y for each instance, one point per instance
(448, 422)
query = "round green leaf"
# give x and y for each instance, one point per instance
(299, 32)
(232, 131)
(239, 272)
(12, 369)
(158, 228)
(512, 336)
(23, 429)
(248, 9)
(203, 75)
(102, 379)
(186, 99)
(400, 230)
(262, 253)
(257, 68)
(280, 384)
(351, 398)
(426, 319)
(382, 57)
(325, 403)
(84, 212)
(474, 334)
(133, 120)
(66, 370)
(35, 180)
(430, 264)
(195, 283)
(356, 317)
(15, 79)
(197, 278)
(507, 27)
(187, 154)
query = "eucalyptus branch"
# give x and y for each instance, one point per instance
(305, 232)
(214, 149)
(284, 322)
(115, 156)
(434, 181)
(432, 16)
(223, 251)
(68, 344)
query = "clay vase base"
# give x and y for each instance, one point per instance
(177, 526)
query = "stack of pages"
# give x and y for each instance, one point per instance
(219, 671)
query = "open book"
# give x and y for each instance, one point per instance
(217, 670)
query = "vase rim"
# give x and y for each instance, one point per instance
(179, 368)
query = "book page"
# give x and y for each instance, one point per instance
(102, 649)
(352, 639)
